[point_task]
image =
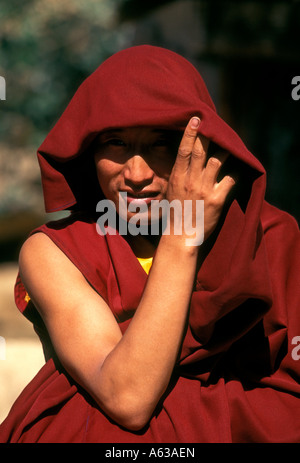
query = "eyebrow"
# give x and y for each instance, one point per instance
(118, 130)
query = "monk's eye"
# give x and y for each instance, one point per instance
(115, 142)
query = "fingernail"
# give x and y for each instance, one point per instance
(195, 122)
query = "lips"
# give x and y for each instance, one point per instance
(143, 196)
(146, 194)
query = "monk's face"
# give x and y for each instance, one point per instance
(136, 161)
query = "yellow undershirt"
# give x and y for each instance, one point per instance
(146, 263)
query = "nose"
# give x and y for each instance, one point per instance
(137, 173)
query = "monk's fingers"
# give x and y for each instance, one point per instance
(198, 156)
(224, 187)
(186, 145)
(213, 168)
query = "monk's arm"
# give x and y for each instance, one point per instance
(127, 374)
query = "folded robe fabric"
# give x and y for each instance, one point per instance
(237, 376)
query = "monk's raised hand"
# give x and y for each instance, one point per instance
(195, 177)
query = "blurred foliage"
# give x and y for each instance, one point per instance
(47, 47)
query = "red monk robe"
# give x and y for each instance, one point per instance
(237, 378)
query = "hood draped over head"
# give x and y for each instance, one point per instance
(139, 86)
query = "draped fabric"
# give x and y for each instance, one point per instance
(237, 377)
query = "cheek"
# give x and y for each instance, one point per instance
(107, 173)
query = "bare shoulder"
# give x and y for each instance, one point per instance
(47, 273)
(37, 245)
(39, 249)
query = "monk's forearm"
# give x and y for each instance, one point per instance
(139, 368)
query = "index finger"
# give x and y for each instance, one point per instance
(187, 143)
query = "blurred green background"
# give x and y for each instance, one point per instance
(247, 51)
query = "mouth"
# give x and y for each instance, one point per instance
(142, 196)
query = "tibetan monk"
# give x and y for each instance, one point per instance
(164, 333)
